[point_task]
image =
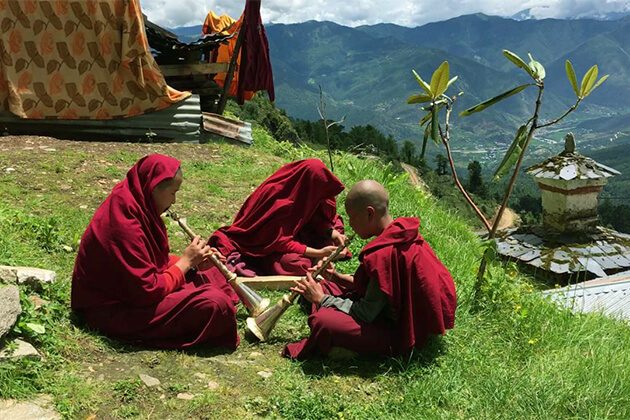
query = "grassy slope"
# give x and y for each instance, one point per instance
(519, 357)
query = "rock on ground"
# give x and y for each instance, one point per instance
(10, 308)
(149, 381)
(28, 410)
(22, 349)
(26, 275)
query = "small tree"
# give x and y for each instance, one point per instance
(441, 163)
(408, 153)
(475, 180)
(437, 102)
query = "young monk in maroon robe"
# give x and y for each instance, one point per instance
(286, 223)
(401, 294)
(126, 285)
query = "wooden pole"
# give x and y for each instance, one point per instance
(230, 73)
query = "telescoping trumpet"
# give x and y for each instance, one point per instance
(262, 324)
(254, 303)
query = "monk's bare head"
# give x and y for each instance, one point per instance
(367, 207)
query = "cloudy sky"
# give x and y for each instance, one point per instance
(173, 13)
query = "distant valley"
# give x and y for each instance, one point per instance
(365, 73)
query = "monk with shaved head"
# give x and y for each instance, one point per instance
(400, 295)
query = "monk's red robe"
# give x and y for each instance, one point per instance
(420, 293)
(292, 209)
(125, 283)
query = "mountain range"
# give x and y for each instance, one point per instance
(365, 73)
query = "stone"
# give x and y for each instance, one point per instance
(212, 385)
(10, 308)
(27, 410)
(265, 374)
(8, 275)
(185, 396)
(37, 301)
(149, 381)
(254, 355)
(26, 275)
(21, 350)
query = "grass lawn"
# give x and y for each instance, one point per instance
(520, 357)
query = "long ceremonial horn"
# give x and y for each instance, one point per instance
(254, 303)
(262, 324)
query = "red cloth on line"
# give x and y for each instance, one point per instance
(419, 288)
(255, 69)
(292, 209)
(122, 270)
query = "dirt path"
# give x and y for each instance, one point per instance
(414, 178)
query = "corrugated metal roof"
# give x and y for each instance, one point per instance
(179, 122)
(240, 131)
(610, 296)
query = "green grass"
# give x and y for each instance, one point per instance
(520, 357)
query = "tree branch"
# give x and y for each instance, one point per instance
(445, 136)
(508, 192)
(557, 120)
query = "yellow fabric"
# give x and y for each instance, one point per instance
(78, 59)
(218, 24)
(225, 25)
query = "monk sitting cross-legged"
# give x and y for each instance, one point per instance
(126, 285)
(286, 223)
(400, 295)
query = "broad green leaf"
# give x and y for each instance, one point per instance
(588, 81)
(599, 82)
(36, 328)
(518, 61)
(427, 134)
(439, 80)
(424, 85)
(485, 104)
(434, 124)
(571, 76)
(426, 118)
(513, 152)
(418, 99)
(537, 68)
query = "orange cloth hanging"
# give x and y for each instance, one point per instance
(225, 25)
(68, 60)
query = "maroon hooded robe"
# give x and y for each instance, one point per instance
(121, 283)
(292, 209)
(420, 293)
(255, 69)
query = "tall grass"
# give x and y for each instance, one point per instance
(520, 357)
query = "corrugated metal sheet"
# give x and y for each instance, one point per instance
(180, 122)
(610, 296)
(240, 131)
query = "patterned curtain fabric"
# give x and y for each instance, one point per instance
(88, 59)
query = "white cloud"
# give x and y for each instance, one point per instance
(172, 13)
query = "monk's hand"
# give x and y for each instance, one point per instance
(217, 254)
(310, 289)
(338, 238)
(329, 272)
(326, 251)
(207, 261)
(196, 252)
